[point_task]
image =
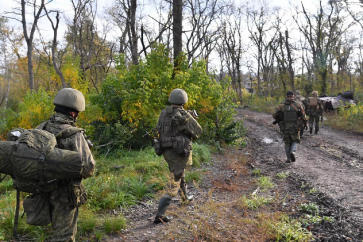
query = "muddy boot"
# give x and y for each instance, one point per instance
(163, 204)
(292, 151)
(184, 195)
(287, 149)
(316, 130)
(311, 130)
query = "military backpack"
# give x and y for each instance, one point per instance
(31, 158)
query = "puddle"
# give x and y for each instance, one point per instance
(267, 140)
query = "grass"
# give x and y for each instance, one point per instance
(121, 180)
(283, 175)
(254, 202)
(256, 172)
(264, 182)
(193, 176)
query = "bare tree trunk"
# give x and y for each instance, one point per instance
(54, 47)
(29, 38)
(134, 52)
(177, 31)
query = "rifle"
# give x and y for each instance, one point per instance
(193, 113)
(154, 136)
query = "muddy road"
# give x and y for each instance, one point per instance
(330, 161)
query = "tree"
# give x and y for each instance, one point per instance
(29, 35)
(177, 31)
(322, 32)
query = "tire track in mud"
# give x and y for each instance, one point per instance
(330, 161)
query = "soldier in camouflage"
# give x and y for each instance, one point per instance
(290, 112)
(176, 142)
(314, 110)
(69, 194)
(300, 100)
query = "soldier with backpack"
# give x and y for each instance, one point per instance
(291, 113)
(314, 110)
(301, 100)
(176, 128)
(61, 204)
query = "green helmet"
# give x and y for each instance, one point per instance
(178, 96)
(297, 92)
(70, 98)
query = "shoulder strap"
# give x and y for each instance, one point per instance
(68, 132)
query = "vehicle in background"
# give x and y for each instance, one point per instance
(344, 99)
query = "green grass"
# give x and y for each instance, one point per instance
(121, 180)
(311, 208)
(265, 182)
(195, 176)
(254, 202)
(114, 224)
(283, 175)
(201, 154)
(256, 172)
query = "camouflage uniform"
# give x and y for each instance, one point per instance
(314, 112)
(293, 113)
(69, 194)
(301, 100)
(176, 142)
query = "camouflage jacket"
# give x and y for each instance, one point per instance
(72, 190)
(279, 112)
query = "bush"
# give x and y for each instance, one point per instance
(135, 96)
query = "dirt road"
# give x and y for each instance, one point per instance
(329, 164)
(331, 161)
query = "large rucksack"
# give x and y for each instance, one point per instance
(313, 106)
(34, 162)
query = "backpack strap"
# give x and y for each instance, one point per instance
(68, 132)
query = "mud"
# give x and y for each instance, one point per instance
(329, 164)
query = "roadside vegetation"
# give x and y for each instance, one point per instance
(344, 119)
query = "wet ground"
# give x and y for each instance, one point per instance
(329, 163)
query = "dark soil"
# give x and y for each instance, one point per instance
(328, 172)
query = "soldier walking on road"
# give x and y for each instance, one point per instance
(314, 110)
(68, 195)
(176, 128)
(301, 100)
(290, 112)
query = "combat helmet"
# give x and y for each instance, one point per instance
(314, 93)
(297, 92)
(70, 98)
(178, 96)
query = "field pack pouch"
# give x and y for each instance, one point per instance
(36, 207)
(182, 145)
(157, 147)
(78, 194)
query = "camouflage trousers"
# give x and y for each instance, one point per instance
(177, 164)
(291, 136)
(313, 119)
(64, 218)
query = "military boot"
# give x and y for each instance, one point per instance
(311, 130)
(163, 204)
(292, 151)
(184, 195)
(316, 130)
(287, 149)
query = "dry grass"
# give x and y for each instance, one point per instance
(229, 213)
